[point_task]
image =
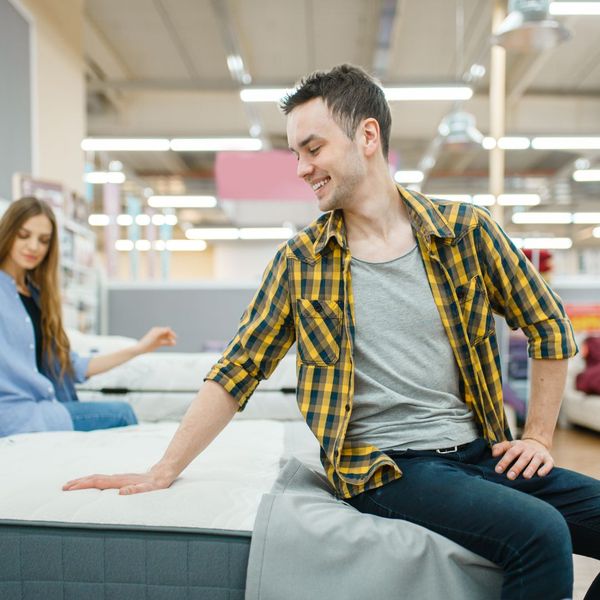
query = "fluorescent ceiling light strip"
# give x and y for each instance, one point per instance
(160, 220)
(171, 245)
(547, 243)
(215, 144)
(98, 220)
(488, 143)
(514, 143)
(124, 220)
(142, 220)
(484, 199)
(394, 94)
(213, 233)
(143, 245)
(266, 233)
(566, 143)
(575, 8)
(587, 175)
(453, 197)
(519, 199)
(182, 201)
(542, 217)
(408, 176)
(124, 245)
(125, 144)
(586, 217)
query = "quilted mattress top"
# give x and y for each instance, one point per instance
(221, 489)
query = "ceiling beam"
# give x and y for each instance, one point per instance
(237, 64)
(100, 51)
(386, 37)
(175, 38)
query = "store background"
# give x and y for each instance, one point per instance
(71, 70)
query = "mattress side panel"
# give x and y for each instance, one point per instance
(104, 564)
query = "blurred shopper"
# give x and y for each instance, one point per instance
(37, 368)
(389, 297)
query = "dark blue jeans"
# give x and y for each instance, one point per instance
(529, 527)
(88, 416)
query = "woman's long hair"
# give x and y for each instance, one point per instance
(55, 344)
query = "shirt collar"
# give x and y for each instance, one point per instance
(425, 219)
(7, 279)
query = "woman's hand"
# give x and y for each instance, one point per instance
(156, 338)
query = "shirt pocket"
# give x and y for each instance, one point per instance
(476, 310)
(319, 329)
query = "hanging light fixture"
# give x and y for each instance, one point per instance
(528, 27)
(459, 132)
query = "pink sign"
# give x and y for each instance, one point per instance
(259, 176)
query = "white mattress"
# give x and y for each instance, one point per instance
(180, 371)
(220, 489)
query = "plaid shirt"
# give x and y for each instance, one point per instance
(473, 270)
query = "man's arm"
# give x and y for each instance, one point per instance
(531, 454)
(517, 291)
(264, 336)
(210, 411)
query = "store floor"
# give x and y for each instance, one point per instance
(579, 449)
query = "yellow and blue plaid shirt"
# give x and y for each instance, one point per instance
(306, 297)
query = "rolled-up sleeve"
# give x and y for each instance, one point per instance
(264, 335)
(80, 366)
(517, 291)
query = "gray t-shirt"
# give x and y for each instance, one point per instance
(406, 382)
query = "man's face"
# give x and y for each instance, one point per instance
(328, 160)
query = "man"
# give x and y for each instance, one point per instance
(389, 296)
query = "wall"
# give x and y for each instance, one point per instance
(15, 96)
(59, 120)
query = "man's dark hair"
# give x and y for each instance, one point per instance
(351, 95)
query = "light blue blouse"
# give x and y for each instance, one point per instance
(29, 400)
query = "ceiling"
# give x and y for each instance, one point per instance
(159, 68)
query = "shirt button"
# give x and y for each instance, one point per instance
(27, 319)
(31, 346)
(49, 388)
(347, 407)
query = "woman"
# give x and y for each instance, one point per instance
(37, 368)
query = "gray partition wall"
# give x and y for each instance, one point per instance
(204, 315)
(15, 96)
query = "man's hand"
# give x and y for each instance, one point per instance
(155, 338)
(126, 483)
(526, 456)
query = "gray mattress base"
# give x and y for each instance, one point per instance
(64, 561)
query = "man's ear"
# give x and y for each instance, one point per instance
(370, 136)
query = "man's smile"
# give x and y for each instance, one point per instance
(319, 184)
